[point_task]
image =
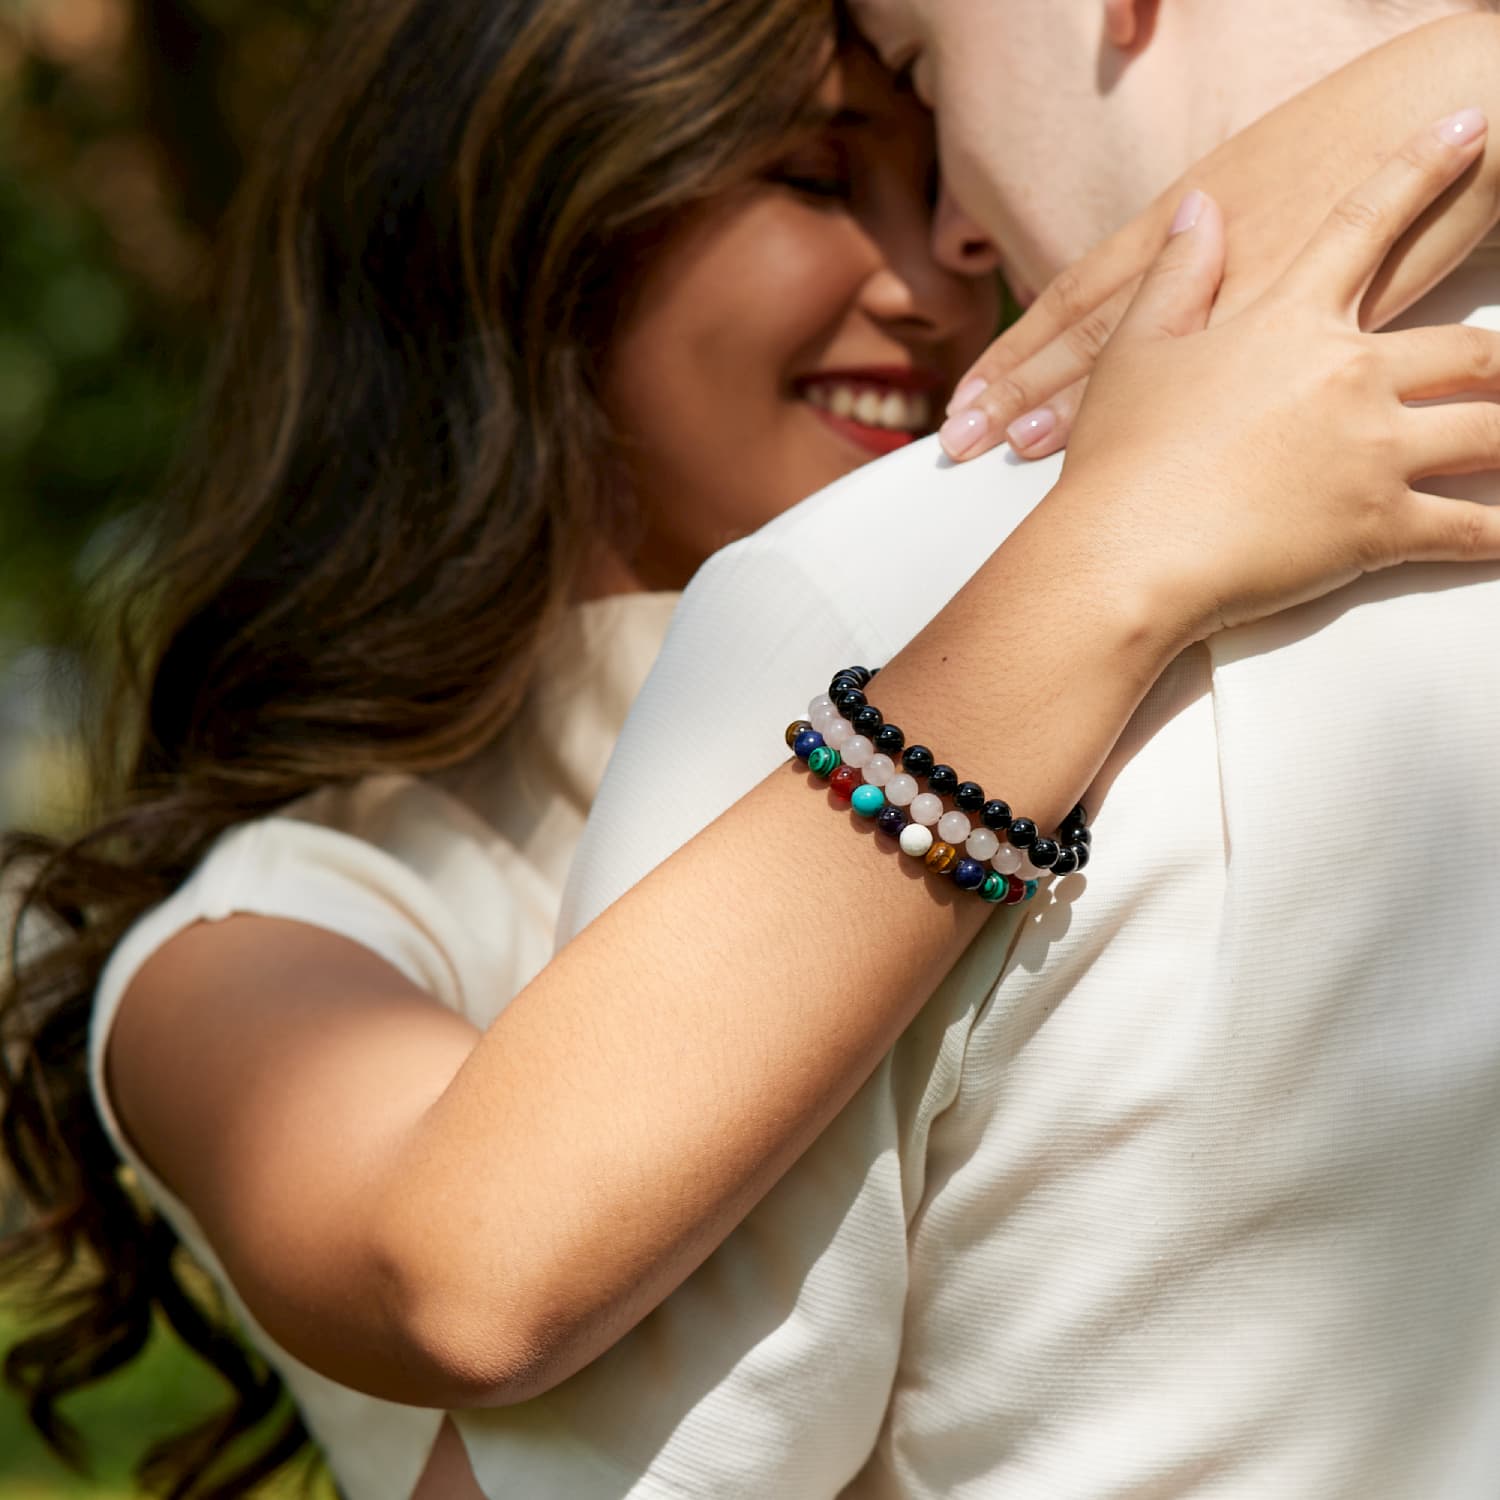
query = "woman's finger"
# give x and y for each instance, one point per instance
(1460, 437)
(1034, 388)
(1042, 432)
(1344, 256)
(1432, 363)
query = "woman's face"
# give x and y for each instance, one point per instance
(792, 331)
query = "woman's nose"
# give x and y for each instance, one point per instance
(958, 242)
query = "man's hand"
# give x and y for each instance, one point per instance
(1275, 182)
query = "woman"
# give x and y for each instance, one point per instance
(362, 638)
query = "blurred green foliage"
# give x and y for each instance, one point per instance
(123, 128)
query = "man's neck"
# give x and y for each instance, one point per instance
(1267, 52)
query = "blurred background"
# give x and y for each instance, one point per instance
(123, 127)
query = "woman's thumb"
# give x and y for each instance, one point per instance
(1178, 291)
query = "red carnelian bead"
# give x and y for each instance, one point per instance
(845, 782)
(1017, 893)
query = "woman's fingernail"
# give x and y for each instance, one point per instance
(962, 433)
(1189, 212)
(1035, 427)
(1460, 129)
(967, 394)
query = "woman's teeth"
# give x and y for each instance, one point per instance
(896, 411)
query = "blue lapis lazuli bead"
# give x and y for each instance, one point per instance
(869, 801)
(806, 743)
(968, 874)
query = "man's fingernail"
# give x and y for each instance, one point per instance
(967, 394)
(960, 434)
(1460, 129)
(1035, 427)
(1189, 212)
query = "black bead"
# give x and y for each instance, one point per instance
(1022, 833)
(996, 815)
(863, 673)
(1044, 854)
(970, 796)
(842, 683)
(1081, 854)
(889, 740)
(1079, 815)
(849, 703)
(943, 780)
(917, 761)
(868, 721)
(1065, 863)
(1081, 836)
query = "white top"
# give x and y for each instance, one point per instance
(1194, 1191)
(455, 880)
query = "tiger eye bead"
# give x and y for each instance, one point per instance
(796, 731)
(844, 782)
(941, 858)
(824, 761)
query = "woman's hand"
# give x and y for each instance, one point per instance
(1236, 470)
(1274, 181)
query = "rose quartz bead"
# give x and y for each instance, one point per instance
(927, 809)
(880, 771)
(857, 752)
(838, 734)
(901, 791)
(954, 828)
(1029, 871)
(818, 705)
(1008, 860)
(983, 844)
(824, 719)
(916, 840)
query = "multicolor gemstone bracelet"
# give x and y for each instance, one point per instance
(845, 741)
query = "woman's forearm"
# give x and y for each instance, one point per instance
(646, 1090)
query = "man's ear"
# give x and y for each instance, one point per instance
(1125, 20)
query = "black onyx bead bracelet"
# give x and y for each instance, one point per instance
(846, 742)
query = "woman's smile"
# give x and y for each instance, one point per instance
(878, 408)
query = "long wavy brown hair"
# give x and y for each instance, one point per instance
(399, 466)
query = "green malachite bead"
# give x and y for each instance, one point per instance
(868, 801)
(824, 761)
(793, 730)
(994, 888)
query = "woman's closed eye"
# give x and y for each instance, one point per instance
(823, 173)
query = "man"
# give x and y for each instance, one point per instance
(1189, 1185)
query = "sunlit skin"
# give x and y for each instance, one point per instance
(762, 319)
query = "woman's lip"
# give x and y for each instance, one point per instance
(877, 441)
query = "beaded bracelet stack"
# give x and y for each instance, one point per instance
(846, 742)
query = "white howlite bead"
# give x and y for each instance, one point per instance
(916, 840)
(821, 702)
(926, 809)
(1008, 860)
(880, 771)
(954, 828)
(857, 751)
(901, 791)
(838, 734)
(984, 844)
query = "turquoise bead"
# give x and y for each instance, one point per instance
(995, 888)
(1031, 888)
(824, 761)
(868, 801)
